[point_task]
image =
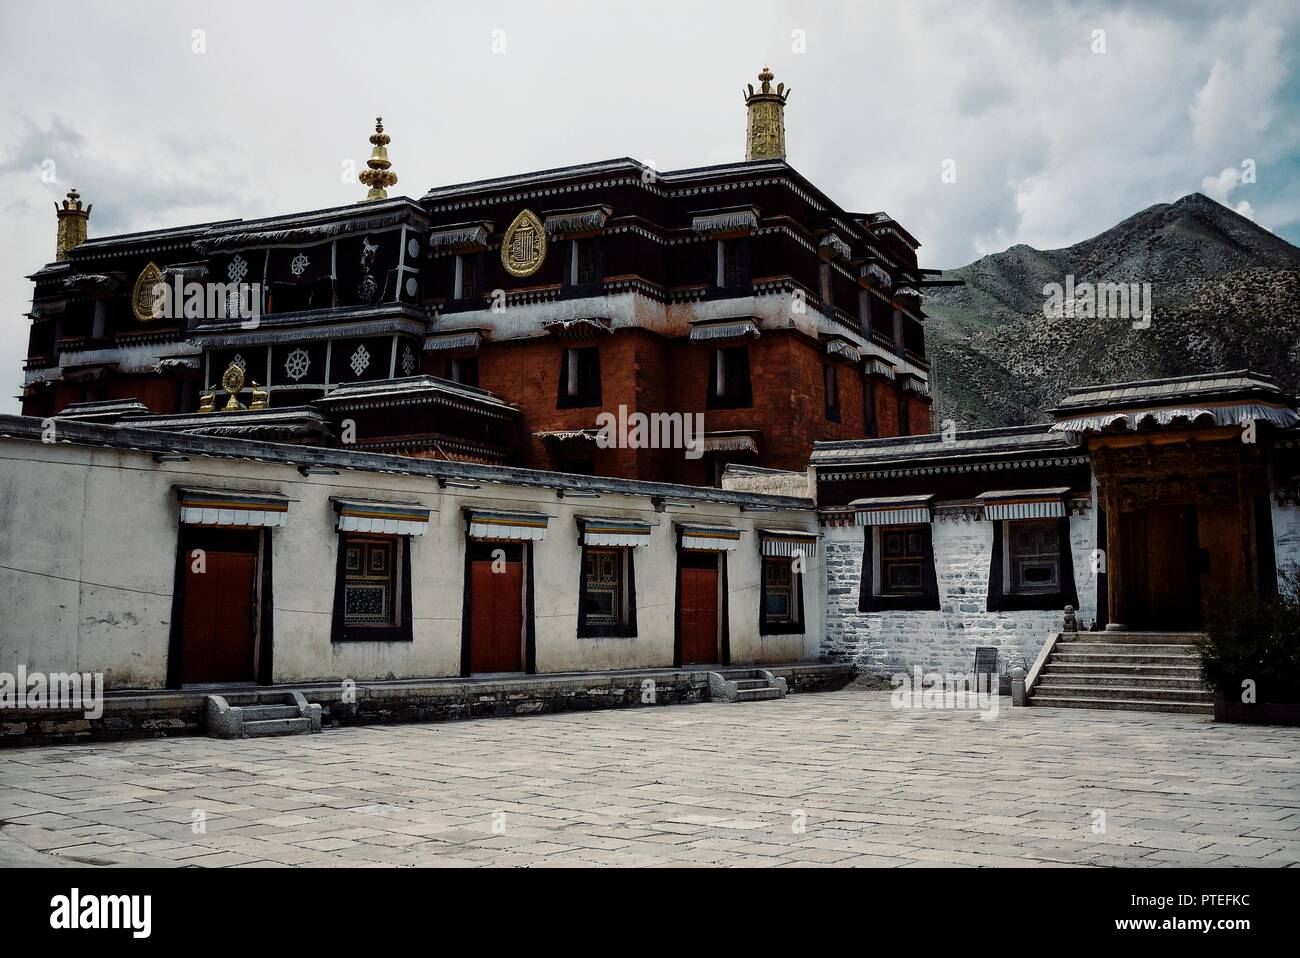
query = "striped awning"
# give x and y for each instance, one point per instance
(892, 510)
(393, 518)
(730, 442)
(1024, 503)
(461, 339)
(726, 221)
(614, 532)
(839, 347)
(462, 236)
(788, 542)
(710, 538)
(506, 526)
(878, 367)
(734, 329)
(213, 507)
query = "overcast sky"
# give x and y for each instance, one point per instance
(258, 113)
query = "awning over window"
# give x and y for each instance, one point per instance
(615, 532)
(214, 507)
(506, 526)
(726, 221)
(461, 236)
(892, 510)
(788, 542)
(878, 367)
(710, 538)
(739, 441)
(393, 518)
(844, 349)
(732, 329)
(587, 220)
(460, 339)
(577, 330)
(1024, 503)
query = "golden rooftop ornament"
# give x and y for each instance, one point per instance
(765, 133)
(232, 381)
(72, 224)
(378, 177)
(523, 249)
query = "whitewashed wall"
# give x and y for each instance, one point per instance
(943, 640)
(1286, 536)
(87, 567)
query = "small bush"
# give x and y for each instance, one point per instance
(1257, 638)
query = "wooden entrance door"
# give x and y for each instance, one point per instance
(219, 630)
(1221, 565)
(699, 607)
(1161, 567)
(496, 602)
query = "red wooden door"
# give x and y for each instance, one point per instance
(496, 616)
(699, 615)
(218, 622)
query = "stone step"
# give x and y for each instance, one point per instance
(1114, 668)
(1125, 692)
(1127, 638)
(1123, 658)
(739, 675)
(1126, 648)
(1129, 705)
(1141, 679)
(278, 726)
(259, 713)
(758, 695)
(750, 683)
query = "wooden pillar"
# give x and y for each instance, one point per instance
(1108, 493)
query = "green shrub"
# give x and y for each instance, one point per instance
(1258, 638)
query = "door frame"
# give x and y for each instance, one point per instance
(263, 603)
(724, 606)
(466, 618)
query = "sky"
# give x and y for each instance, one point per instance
(978, 125)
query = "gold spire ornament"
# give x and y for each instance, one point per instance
(765, 132)
(378, 177)
(72, 224)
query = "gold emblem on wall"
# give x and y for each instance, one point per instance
(524, 248)
(144, 300)
(232, 381)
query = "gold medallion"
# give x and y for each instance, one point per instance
(145, 303)
(524, 248)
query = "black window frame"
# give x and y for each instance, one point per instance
(736, 361)
(1000, 599)
(795, 626)
(602, 630)
(732, 266)
(588, 393)
(870, 422)
(831, 391)
(402, 631)
(871, 601)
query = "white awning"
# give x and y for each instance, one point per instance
(735, 329)
(878, 367)
(615, 532)
(730, 442)
(838, 347)
(710, 538)
(464, 236)
(392, 518)
(563, 222)
(506, 526)
(726, 221)
(788, 542)
(1024, 503)
(892, 510)
(461, 339)
(214, 507)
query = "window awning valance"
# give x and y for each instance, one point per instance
(731, 329)
(788, 542)
(393, 518)
(464, 236)
(461, 339)
(878, 367)
(846, 350)
(215, 507)
(1024, 503)
(731, 442)
(892, 510)
(587, 220)
(506, 526)
(614, 532)
(710, 538)
(577, 330)
(726, 221)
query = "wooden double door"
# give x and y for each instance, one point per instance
(699, 585)
(496, 607)
(219, 620)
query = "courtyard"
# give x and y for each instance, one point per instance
(838, 779)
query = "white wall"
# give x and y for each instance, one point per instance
(93, 535)
(1286, 536)
(943, 640)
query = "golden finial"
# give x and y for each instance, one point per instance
(765, 134)
(379, 175)
(72, 224)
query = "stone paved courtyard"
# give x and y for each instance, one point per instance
(688, 785)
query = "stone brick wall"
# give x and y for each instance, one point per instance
(943, 640)
(1286, 535)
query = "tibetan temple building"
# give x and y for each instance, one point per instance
(594, 419)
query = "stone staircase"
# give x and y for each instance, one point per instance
(1139, 671)
(745, 685)
(256, 713)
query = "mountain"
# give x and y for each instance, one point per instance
(1226, 295)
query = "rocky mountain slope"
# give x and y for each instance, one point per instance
(1226, 295)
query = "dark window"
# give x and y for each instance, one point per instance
(902, 557)
(782, 597)
(870, 427)
(1033, 556)
(733, 268)
(898, 569)
(831, 386)
(469, 282)
(904, 424)
(881, 319)
(579, 378)
(372, 595)
(585, 265)
(608, 602)
(729, 386)
(463, 370)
